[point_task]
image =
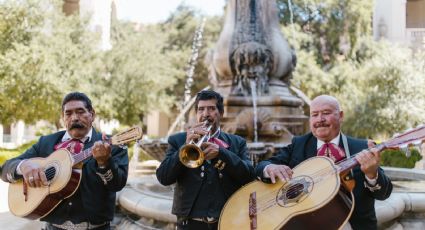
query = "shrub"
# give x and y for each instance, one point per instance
(397, 158)
(6, 154)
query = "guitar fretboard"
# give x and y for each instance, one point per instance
(81, 156)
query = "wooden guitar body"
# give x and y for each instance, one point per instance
(38, 202)
(310, 200)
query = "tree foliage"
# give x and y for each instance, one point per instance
(180, 28)
(138, 72)
(43, 55)
(379, 84)
(334, 25)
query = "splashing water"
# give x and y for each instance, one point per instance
(254, 104)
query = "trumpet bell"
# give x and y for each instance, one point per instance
(191, 156)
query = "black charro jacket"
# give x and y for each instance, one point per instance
(238, 171)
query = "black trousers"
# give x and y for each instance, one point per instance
(196, 225)
(51, 227)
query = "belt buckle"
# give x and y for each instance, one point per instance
(92, 226)
(210, 220)
(68, 225)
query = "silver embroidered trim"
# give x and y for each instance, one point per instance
(68, 225)
(106, 177)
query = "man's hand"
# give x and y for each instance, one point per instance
(369, 162)
(210, 150)
(33, 174)
(283, 172)
(101, 152)
(195, 132)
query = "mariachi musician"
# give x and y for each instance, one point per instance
(92, 205)
(202, 190)
(326, 139)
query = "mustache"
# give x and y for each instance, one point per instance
(207, 120)
(76, 126)
(320, 125)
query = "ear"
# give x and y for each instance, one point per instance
(341, 116)
(62, 120)
(93, 114)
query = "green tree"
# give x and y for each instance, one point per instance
(43, 55)
(379, 84)
(180, 28)
(334, 25)
(138, 72)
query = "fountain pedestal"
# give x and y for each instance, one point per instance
(278, 118)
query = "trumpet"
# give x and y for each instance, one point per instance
(191, 155)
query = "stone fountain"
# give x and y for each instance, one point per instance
(251, 66)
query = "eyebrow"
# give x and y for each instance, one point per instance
(75, 109)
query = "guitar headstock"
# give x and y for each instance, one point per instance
(410, 138)
(132, 134)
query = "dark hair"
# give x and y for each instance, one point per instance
(77, 96)
(208, 95)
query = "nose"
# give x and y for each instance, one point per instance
(74, 117)
(321, 117)
(205, 113)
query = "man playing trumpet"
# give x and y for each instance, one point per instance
(202, 190)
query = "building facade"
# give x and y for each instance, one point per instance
(400, 21)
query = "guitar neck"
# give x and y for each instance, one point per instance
(351, 162)
(78, 158)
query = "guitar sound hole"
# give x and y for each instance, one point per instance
(294, 191)
(50, 173)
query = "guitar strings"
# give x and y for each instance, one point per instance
(263, 205)
(318, 175)
(77, 159)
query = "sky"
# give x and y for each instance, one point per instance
(152, 11)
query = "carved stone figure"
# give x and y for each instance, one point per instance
(252, 54)
(251, 36)
(251, 61)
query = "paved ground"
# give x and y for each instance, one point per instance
(10, 222)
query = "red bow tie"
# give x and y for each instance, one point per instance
(218, 142)
(332, 151)
(72, 145)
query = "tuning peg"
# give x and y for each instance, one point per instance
(408, 130)
(420, 126)
(417, 148)
(406, 150)
(417, 145)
